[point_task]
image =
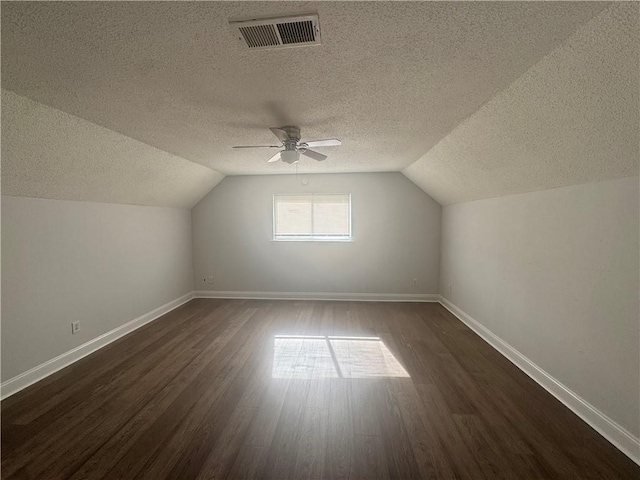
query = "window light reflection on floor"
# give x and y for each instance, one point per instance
(309, 356)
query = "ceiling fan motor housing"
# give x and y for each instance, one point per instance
(290, 154)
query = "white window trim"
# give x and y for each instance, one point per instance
(307, 238)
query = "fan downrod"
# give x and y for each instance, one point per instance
(293, 132)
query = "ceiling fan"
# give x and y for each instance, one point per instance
(289, 137)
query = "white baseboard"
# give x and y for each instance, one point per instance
(45, 369)
(620, 437)
(352, 297)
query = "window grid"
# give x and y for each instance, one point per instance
(313, 236)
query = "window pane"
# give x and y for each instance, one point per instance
(293, 215)
(331, 215)
(312, 217)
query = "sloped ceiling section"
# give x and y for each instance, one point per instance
(572, 118)
(47, 153)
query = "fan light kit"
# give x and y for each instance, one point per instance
(290, 156)
(289, 137)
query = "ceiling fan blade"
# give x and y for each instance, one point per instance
(281, 134)
(311, 154)
(329, 142)
(257, 146)
(275, 158)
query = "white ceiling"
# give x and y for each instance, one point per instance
(47, 153)
(391, 79)
(572, 118)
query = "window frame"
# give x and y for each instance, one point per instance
(312, 237)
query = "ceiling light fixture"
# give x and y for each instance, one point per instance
(290, 156)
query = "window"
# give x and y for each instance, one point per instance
(312, 217)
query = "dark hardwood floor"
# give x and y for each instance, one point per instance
(296, 390)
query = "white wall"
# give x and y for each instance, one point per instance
(555, 274)
(97, 263)
(396, 230)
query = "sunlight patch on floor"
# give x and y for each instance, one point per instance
(309, 356)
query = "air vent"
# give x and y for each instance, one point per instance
(260, 36)
(280, 32)
(297, 32)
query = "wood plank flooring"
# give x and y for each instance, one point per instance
(297, 390)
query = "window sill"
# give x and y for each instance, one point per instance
(311, 240)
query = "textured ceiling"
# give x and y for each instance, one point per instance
(390, 78)
(47, 153)
(572, 118)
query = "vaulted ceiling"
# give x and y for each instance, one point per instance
(573, 118)
(466, 98)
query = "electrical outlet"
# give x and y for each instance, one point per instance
(415, 282)
(204, 279)
(75, 327)
(211, 280)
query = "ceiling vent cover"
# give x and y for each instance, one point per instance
(279, 32)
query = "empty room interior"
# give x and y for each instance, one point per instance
(320, 240)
